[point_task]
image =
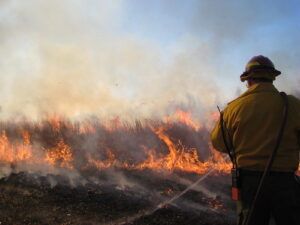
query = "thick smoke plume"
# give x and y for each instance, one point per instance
(80, 58)
(71, 59)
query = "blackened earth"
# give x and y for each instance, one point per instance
(34, 199)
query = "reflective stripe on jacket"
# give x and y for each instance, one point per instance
(253, 121)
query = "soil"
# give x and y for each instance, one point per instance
(34, 199)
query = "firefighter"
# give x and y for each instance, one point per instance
(248, 133)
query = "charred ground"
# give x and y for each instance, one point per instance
(31, 199)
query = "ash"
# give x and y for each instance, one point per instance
(32, 199)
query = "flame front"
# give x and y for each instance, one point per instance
(182, 158)
(59, 144)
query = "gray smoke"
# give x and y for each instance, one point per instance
(68, 58)
(77, 58)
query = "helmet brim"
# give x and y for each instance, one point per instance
(248, 74)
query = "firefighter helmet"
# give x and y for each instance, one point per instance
(260, 67)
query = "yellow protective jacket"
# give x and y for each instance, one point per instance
(252, 124)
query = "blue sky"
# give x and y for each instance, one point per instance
(162, 21)
(139, 58)
(237, 30)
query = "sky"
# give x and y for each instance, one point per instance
(138, 59)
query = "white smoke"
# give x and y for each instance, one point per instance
(68, 58)
(76, 58)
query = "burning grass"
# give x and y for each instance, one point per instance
(179, 145)
(61, 172)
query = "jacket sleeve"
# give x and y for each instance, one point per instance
(216, 137)
(295, 111)
(298, 122)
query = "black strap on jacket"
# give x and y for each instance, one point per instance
(270, 160)
(229, 146)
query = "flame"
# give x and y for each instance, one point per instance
(114, 124)
(55, 121)
(5, 154)
(60, 155)
(178, 157)
(109, 162)
(182, 158)
(85, 128)
(14, 153)
(185, 117)
(24, 150)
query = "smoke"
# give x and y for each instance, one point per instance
(136, 59)
(69, 58)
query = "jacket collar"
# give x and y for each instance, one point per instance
(257, 88)
(260, 87)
